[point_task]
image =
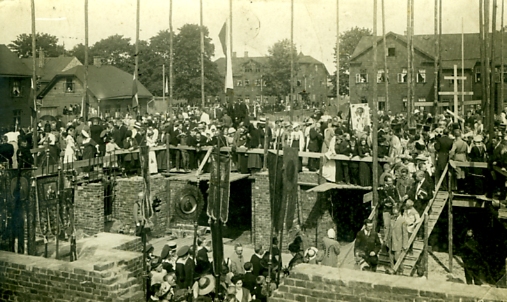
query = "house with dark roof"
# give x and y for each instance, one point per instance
(363, 74)
(311, 78)
(15, 90)
(48, 67)
(109, 91)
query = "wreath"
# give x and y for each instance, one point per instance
(189, 202)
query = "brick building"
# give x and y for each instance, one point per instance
(363, 74)
(311, 76)
(15, 90)
(109, 91)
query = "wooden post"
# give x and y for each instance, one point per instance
(493, 64)
(413, 75)
(202, 56)
(436, 85)
(168, 151)
(31, 218)
(482, 48)
(463, 71)
(338, 53)
(291, 101)
(58, 201)
(487, 75)
(409, 66)
(439, 43)
(73, 243)
(502, 31)
(84, 105)
(170, 58)
(34, 81)
(136, 56)
(163, 83)
(374, 110)
(386, 74)
(426, 237)
(449, 207)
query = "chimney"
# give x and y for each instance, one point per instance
(97, 61)
(246, 54)
(233, 54)
(41, 58)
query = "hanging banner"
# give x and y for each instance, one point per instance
(47, 188)
(219, 188)
(275, 168)
(359, 116)
(290, 186)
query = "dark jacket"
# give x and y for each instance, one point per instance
(442, 146)
(367, 244)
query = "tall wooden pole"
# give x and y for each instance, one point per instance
(34, 80)
(374, 109)
(386, 74)
(163, 83)
(493, 98)
(482, 49)
(450, 220)
(487, 75)
(84, 105)
(202, 57)
(137, 46)
(338, 53)
(170, 58)
(439, 43)
(409, 65)
(230, 24)
(412, 67)
(463, 70)
(436, 83)
(291, 101)
(502, 31)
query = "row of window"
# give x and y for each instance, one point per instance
(240, 83)
(401, 77)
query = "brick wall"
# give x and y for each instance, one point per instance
(311, 283)
(314, 214)
(101, 274)
(89, 208)
(127, 190)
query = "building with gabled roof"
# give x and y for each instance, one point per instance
(15, 90)
(311, 77)
(109, 91)
(363, 73)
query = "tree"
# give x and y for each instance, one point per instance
(187, 65)
(278, 68)
(115, 50)
(49, 43)
(348, 42)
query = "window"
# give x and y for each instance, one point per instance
(16, 114)
(257, 69)
(69, 85)
(257, 83)
(403, 76)
(421, 100)
(391, 52)
(421, 76)
(316, 67)
(405, 100)
(361, 78)
(16, 90)
(478, 76)
(264, 83)
(239, 83)
(248, 69)
(247, 82)
(381, 76)
(381, 103)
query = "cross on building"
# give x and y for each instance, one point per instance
(455, 93)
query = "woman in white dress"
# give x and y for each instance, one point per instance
(151, 141)
(70, 146)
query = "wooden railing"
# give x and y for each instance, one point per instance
(418, 226)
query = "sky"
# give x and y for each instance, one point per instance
(257, 24)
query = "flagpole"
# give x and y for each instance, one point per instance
(462, 69)
(170, 57)
(338, 54)
(136, 55)
(34, 81)
(500, 104)
(84, 105)
(374, 112)
(291, 101)
(202, 57)
(386, 82)
(435, 63)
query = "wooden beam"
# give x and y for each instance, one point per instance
(203, 163)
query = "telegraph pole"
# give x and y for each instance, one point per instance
(84, 105)
(202, 58)
(386, 82)
(374, 109)
(170, 56)
(436, 83)
(337, 54)
(291, 101)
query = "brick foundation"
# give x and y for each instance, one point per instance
(312, 283)
(89, 208)
(104, 272)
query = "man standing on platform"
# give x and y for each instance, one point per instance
(367, 245)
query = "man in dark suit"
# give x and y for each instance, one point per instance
(184, 268)
(367, 245)
(314, 145)
(421, 192)
(249, 280)
(203, 264)
(256, 260)
(443, 145)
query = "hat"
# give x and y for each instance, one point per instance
(421, 157)
(165, 251)
(182, 134)
(231, 131)
(331, 233)
(205, 285)
(183, 251)
(137, 125)
(149, 248)
(85, 134)
(311, 252)
(478, 138)
(172, 245)
(295, 125)
(416, 111)
(262, 120)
